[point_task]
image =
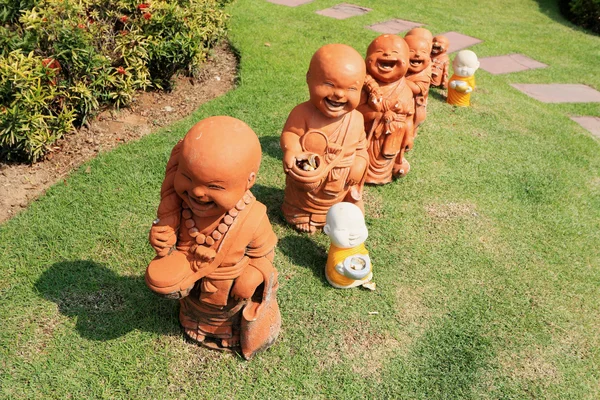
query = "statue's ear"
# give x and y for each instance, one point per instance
(326, 230)
(251, 180)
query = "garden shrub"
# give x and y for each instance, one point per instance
(62, 60)
(584, 13)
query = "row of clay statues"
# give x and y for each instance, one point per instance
(213, 239)
(361, 119)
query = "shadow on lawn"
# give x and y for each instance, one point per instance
(272, 198)
(106, 305)
(270, 146)
(305, 252)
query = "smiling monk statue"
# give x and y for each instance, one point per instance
(387, 106)
(419, 74)
(323, 141)
(214, 242)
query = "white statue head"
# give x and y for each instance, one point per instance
(465, 63)
(345, 225)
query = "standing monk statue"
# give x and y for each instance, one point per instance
(388, 107)
(323, 140)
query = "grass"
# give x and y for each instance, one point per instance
(486, 255)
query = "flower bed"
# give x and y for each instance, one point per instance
(61, 60)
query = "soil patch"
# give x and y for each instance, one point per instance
(21, 184)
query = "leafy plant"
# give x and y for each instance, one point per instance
(96, 53)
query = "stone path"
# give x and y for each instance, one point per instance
(394, 26)
(503, 64)
(559, 93)
(343, 11)
(290, 3)
(591, 124)
(458, 41)
(510, 63)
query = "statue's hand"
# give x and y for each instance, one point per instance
(452, 84)
(289, 160)
(245, 285)
(376, 99)
(389, 116)
(162, 238)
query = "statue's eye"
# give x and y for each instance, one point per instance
(216, 187)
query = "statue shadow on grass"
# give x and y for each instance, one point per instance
(302, 250)
(305, 252)
(270, 146)
(271, 197)
(438, 94)
(106, 305)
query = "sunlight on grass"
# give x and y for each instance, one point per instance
(485, 256)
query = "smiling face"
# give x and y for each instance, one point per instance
(387, 58)
(346, 225)
(335, 78)
(419, 54)
(218, 163)
(440, 45)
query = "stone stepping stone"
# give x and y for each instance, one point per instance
(458, 41)
(343, 11)
(559, 93)
(510, 63)
(592, 124)
(290, 3)
(394, 26)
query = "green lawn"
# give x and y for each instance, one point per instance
(486, 256)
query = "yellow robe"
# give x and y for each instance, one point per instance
(457, 98)
(336, 256)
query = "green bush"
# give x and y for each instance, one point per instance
(71, 57)
(584, 13)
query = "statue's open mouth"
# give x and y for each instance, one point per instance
(335, 105)
(200, 205)
(436, 49)
(416, 63)
(386, 65)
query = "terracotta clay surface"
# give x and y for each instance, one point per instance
(440, 62)
(419, 72)
(213, 240)
(348, 263)
(323, 140)
(387, 106)
(422, 33)
(462, 82)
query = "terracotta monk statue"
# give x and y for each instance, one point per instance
(440, 62)
(462, 82)
(323, 140)
(422, 33)
(348, 262)
(387, 106)
(214, 242)
(419, 75)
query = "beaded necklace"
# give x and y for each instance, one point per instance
(209, 239)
